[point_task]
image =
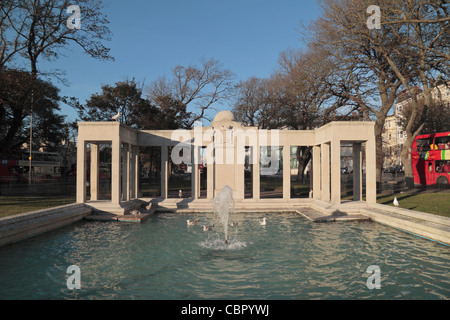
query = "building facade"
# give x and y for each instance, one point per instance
(394, 136)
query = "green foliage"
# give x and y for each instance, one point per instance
(16, 89)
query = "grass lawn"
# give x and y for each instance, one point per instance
(436, 203)
(12, 205)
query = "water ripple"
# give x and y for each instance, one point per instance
(162, 258)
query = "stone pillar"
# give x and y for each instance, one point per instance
(164, 171)
(116, 196)
(316, 178)
(209, 180)
(256, 172)
(357, 172)
(286, 172)
(126, 172)
(239, 170)
(132, 172)
(133, 169)
(325, 165)
(371, 177)
(195, 175)
(225, 164)
(336, 171)
(137, 171)
(94, 171)
(81, 171)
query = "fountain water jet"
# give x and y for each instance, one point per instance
(223, 205)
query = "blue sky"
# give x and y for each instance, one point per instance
(149, 38)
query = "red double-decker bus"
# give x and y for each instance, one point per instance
(45, 166)
(430, 159)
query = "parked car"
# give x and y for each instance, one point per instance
(399, 170)
(387, 170)
(345, 170)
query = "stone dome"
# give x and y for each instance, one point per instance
(224, 116)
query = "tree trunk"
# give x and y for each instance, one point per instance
(379, 125)
(406, 161)
(303, 156)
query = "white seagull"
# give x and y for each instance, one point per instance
(208, 228)
(263, 222)
(116, 117)
(396, 202)
(192, 223)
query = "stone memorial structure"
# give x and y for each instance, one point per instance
(225, 145)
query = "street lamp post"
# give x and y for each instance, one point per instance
(31, 138)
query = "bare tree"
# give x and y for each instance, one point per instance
(253, 105)
(199, 87)
(296, 96)
(424, 26)
(42, 29)
(10, 43)
(363, 75)
(435, 118)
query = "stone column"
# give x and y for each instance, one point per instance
(116, 196)
(137, 172)
(164, 171)
(239, 170)
(286, 172)
(371, 177)
(336, 171)
(94, 171)
(209, 180)
(316, 173)
(357, 172)
(256, 172)
(133, 169)
(325, 165)
(81, 171)
(195, 175)
(126, 172)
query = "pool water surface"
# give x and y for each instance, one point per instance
(163, 258)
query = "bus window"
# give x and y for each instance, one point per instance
(424, 144)
(443, 142)
(443, 166)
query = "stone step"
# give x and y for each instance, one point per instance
(106, 207)
(318, 216)
(119, 217)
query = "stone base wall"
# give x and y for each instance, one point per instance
(26, 225)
